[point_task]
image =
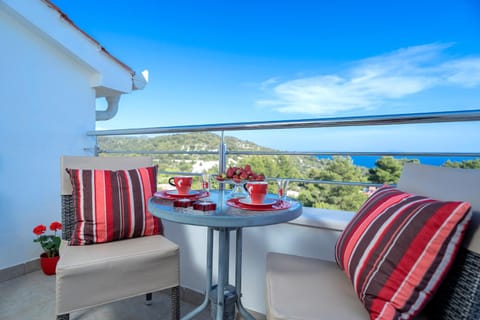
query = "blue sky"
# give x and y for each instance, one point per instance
(235, 61)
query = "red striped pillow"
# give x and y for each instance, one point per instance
(398, 248)
(112, 205)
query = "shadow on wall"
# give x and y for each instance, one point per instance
(192, 241)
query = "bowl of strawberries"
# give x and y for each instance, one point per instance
(239, 174)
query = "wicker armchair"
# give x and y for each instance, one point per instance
(321, 290)
(97, 274)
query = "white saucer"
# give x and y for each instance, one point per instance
(266, 202)
(191, 193)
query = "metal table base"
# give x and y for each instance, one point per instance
(223, 219)
(223, 270)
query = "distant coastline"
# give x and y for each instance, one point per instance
(369, 161)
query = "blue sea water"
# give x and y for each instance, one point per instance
(369, 161)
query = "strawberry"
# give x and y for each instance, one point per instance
(230, 172)
(238, 174)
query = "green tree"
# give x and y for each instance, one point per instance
(331, 196)
(388, 169)
(465, 164)
(272, 166)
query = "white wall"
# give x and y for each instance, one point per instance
(111, 78)
(314, 239)
(46, 107)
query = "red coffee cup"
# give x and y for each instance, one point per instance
(257, 191)
(182, 183)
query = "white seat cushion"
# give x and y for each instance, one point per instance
(300, 288)
(141, 265)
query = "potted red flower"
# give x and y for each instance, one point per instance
(50, 245)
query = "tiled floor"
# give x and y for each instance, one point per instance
(32, 297)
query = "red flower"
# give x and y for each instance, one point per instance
(49, 243)
(38, 230)
(54, 226)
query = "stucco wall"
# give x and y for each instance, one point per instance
(47, 105)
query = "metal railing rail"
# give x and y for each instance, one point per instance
(353, 153)
(375, 120)
(290, 180)
(299, 153)
(222, 152)
(157, 152)
(341, 183)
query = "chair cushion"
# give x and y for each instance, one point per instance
(398, 248)
(142, 265)
(309, 289)
(112, 205)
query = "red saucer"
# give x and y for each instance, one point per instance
(173, 195)
(277, 205)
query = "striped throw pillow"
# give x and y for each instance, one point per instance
(112, 205)
(398, 248)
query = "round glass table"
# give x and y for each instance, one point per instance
(224, 219)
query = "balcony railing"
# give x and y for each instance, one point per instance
(223, 152)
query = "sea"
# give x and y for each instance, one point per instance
(369, 161)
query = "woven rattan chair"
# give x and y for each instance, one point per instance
(98, 274)
(322, 291)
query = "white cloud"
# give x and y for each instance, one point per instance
(373, 81)
(265, 84)
(465, 72)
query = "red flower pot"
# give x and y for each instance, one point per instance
(48, 264)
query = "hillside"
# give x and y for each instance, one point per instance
(200, 142)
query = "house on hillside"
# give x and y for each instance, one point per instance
(53, 74)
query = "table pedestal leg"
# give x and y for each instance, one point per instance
(222, 271)
(238, 276)
(223, 291)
